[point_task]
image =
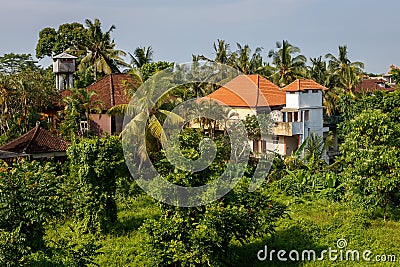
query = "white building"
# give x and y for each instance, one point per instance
(296, 109)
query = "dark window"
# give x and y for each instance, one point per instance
(289, 117)
(306, 115)
(275, 139)
(263, 146)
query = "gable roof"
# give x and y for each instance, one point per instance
(245, 90)
(65, 55)
(303, 84)
(371, 85)
(110, 89)
(37, 140)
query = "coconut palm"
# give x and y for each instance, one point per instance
(100, 50)
(141, 56)
(288, 67)
(221, 51)
(339, 64)
(345, 74)
(246, 62)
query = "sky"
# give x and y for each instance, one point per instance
(176, 29)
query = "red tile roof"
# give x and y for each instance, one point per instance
(304, 84)
(37, 140)
(371, 85)
(110, 89)
(249, 91)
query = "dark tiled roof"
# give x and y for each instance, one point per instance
(243, 91)
(304, 84)
(37, 140)
(371, 85)
(111, 90)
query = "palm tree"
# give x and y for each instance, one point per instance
(146, 112)
(345, 74)
(340, 63)
(244, 61)
(222, 53)
(100, 50)
(318, 71)
(287, 66)
(141, 56)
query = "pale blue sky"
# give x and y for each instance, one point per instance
(176, 29)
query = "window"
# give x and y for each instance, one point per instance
(315, 91)
(306, 115)
(289, 117)
(263, 146)
(292, 93)
(275, 139)
(296, 116)
(83, 126)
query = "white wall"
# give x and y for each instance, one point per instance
(292, 100)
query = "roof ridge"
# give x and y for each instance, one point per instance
(112, 90)
(36, 131)
(17, 139)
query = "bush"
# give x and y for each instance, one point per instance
(95, 165)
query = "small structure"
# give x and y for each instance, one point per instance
(37, 143)
(64, 66)
(302, 115)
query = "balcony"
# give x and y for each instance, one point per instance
(288, 128)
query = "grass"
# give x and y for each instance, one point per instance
(311, 224)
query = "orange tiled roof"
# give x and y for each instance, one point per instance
(304, 84)
(37, 140)
(249, 91)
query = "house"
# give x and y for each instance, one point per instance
(369, 85)
(296, 109)
(37, 143)
(110, 90)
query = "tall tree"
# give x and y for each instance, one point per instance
(288, 66)
(372, 159)
(16, 63)
(344, 73)
(141, 56)
(69, 36)
(100, 50)
(248, 63)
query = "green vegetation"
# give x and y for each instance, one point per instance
(88, 210)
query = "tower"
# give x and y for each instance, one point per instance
(64, 68)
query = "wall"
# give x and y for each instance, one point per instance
(102, 121)
(292, 100)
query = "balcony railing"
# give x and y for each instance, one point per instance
(288, 128)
